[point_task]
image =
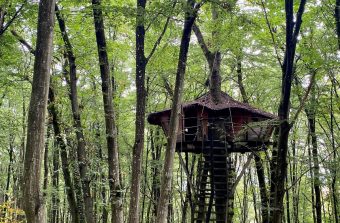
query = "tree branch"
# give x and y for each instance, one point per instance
(271, 33)
(23, 42)
(156, 44)
(16, 14)
(245, 166)
(207, 53)
(304, 99)
(296, 30)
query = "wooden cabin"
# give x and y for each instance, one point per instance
(231, 124)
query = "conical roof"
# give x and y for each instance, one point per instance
(206, 101)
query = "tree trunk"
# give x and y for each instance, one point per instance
(81, 145)
(316, 168)
(215, 77)
(76, 212)
(156, 149)
(2, 16)
(213, 57)
(335, 191)
(337, 20)
(163, 203)
(280, 148)
(55, 183)
(140, 113)
(116, 198)
(257, 156)
(34, 206)
(263, 189)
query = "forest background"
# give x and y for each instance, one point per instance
(101, 163)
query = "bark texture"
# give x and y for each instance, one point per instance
(34, 206)
(116, 198)
(163, 203)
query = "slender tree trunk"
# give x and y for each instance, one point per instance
(10, 166)
(296, 188)
(156, 149)
(263, 189)
(116, 198)
(76, 212)
(141, 62)
(213, 57)
(245, 200)
(316, 167)
(312, 176)
(9, 175)
(337, 20)
(335, 191)
(280, 149)
(55, 183)
(2, 16)
(102, 175)
(257, 217)
(81, 143)
(287, 203)
(45, 181)
(163, 203)
(34, 206)
(140, 113)
(257, 156)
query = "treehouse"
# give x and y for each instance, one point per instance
(214, 131)
(229, 124)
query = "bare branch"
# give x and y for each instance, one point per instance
(160, 36)
(23, 41)
(304, 99)
(271, 33)
(16, 14)
(207, 53)
(245, 166)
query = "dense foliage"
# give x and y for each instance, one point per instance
(249, 33)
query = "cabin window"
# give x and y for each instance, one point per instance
(190, 128)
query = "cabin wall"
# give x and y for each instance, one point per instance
(199, 124)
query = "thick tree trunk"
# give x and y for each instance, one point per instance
(215, 77)
(75, 212)
(163, 203)
(116, 198)
(34, 206)
(140, 113)
(81, 143)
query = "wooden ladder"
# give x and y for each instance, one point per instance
(213, 185)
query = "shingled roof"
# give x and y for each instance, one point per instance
(206, 101)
